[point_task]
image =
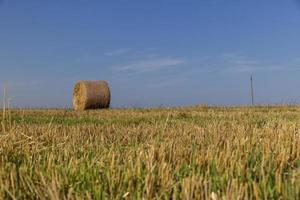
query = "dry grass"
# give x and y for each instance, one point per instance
(184, 153)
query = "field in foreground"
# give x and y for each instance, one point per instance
(184, 153)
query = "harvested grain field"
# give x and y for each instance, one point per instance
(179, 153)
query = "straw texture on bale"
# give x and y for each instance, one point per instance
(91, 95)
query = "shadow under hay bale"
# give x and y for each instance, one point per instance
(91, 95)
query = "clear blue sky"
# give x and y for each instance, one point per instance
(152, 53)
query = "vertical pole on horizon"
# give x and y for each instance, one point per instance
(252, 91)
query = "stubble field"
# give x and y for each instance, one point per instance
(178, 153)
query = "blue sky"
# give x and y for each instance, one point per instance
(152, 53)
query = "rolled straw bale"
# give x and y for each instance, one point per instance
(91, 95)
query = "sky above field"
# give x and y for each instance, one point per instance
(152, 53)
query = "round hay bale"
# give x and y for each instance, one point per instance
(91, 95)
